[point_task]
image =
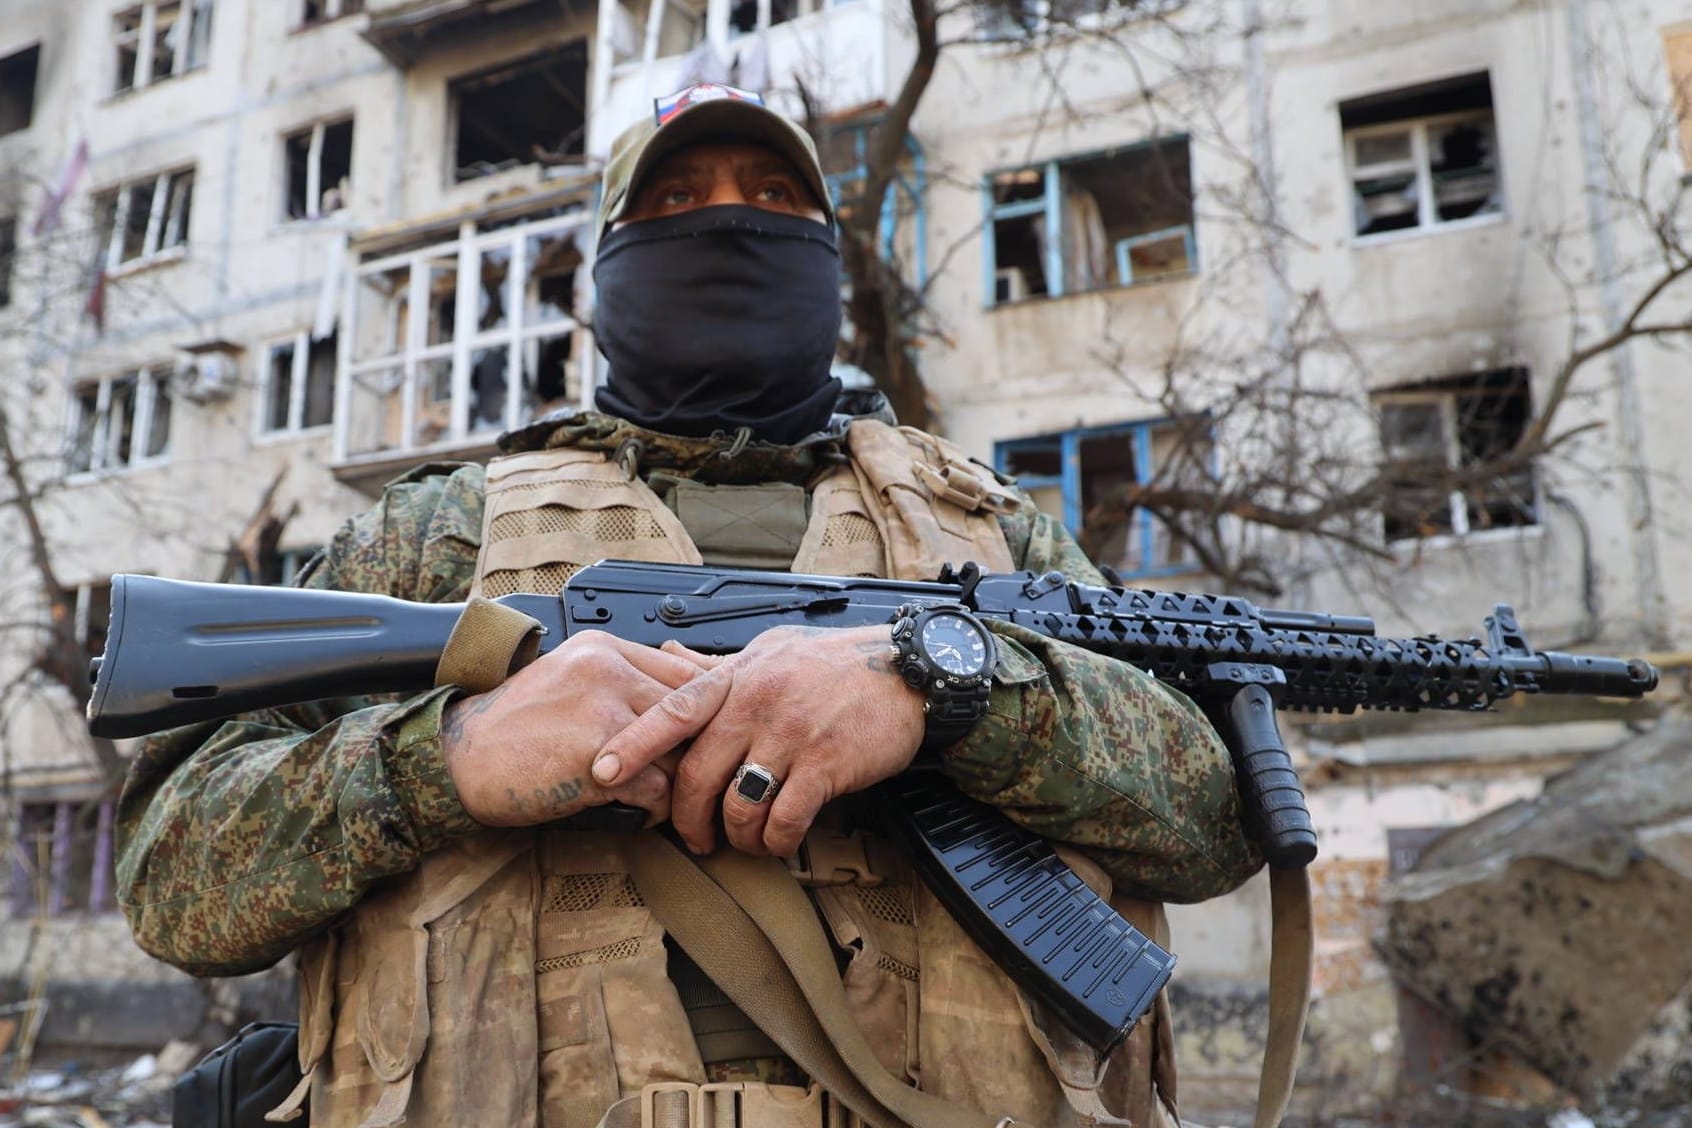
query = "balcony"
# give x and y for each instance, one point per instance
(407, 30)
(454, 332)
(837, 49)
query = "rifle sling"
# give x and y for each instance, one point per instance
(749, 925)
(1291, 951)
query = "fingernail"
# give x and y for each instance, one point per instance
(605, 769)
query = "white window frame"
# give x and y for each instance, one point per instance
(1420, 162)
(1457, 501)
(102, 443)
(410, 354)
(145, 34)
(314, 169)
(167, 220)
(298, 378)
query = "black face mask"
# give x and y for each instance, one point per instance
(720, 318)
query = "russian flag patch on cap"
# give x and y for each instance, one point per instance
(670, 105)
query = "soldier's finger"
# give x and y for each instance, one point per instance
(648, 789)
(674, 670)
(703, 661)
(747, 805)
(703, 776)
(792, 812)
(679, 715)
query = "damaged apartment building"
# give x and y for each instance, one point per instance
(258, 259)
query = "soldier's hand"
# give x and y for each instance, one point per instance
(824, 710)
(521, 753)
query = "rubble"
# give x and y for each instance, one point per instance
(1558, 927)
(69, 1095)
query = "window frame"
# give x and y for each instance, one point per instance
(404, 361)
(149, 379)
(1069, 481)
(481, 78)
(145, 36)
(332, 11)
(1457, 502)
(163, 218)
(1050, 207)
(102, 874)
(1420, 163)
(12, 59)
(314, 168)
(298, 388)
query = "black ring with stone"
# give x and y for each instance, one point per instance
(755, 783)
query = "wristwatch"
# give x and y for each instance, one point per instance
(945, 651)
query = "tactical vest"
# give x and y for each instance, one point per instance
(516, 977)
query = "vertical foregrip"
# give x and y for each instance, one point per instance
(1269, 787)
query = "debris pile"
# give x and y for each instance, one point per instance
(71, 1095)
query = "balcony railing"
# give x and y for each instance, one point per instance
(445, 345)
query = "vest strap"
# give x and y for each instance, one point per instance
(749, 925)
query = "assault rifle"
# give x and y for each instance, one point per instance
(179, 652)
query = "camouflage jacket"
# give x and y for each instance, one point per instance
(240, 840)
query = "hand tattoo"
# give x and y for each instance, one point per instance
(554, 801)
(456, 717)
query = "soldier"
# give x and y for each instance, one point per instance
(463, 961)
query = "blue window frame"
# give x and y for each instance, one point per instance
(913, 187)
(1073, 475)
(1123, 217)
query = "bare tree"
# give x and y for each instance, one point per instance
(1278, 432)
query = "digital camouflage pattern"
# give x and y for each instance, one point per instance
(238, 841)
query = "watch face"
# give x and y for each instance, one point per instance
(955, 644)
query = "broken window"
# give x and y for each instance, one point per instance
(61, 859)
(843, 148)
(297, 388)
(144, 218)
(17, 89)
(521, 113)
(1435, 436)
(749, 16)
(8, 252)
(1423, 157)
(466, 338)
(118, 423)
(1002, 20)
(1078, 478)
(322, 11)
(160, 38)
(1090, 223)
(319, 169)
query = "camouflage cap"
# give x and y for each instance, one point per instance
(708, 110)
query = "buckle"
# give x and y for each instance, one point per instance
(660, 1109)
(964, 487)
(754, 1104)
(828, 857)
